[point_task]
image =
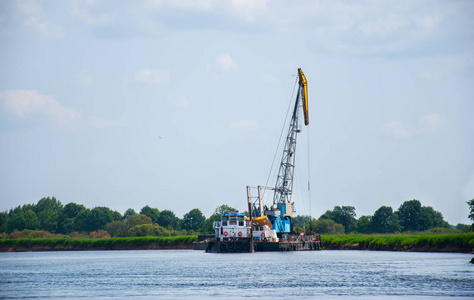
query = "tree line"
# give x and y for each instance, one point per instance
(51, 216)
(411, 216)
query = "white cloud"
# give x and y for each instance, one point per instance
(429, 21)
(357, 29)
(245, 124)
(429, 75)
(382, 26)
(87, 12)
(428, 123)
(23, 103)
(225, 62)
(200, 5)
(32, 17)
(330, 26)
(150, 76)
(397, 129)
(431, 122)
(248, 10)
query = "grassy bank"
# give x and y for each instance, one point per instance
(125, 243)
(463, 242)
(394, 242)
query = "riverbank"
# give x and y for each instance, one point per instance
(66, 244)
(463, 243)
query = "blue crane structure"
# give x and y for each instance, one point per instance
(282, 210)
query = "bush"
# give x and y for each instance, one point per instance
(148, 230)
(101, 234)
(325, 226)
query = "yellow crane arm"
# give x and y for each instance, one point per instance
(304, 95)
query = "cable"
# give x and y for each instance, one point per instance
(309, 174)
(281, 134)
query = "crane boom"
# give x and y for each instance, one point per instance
(304, 95)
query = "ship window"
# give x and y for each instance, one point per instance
(233, 221)
(224, 223)
(241, 223)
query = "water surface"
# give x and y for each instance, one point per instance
(194, 274)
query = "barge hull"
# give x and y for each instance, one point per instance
(243, 246)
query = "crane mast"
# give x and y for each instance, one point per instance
(282, 210)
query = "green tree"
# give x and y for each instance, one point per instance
(48, 203)
(148, 230)
(430, 218)
(344, 215)
(116, 216)
(67, 219)
(299, 223)
(31, 220)
(49, 212)
(129, 212)
(168, 219)
(224, 209)
(363, 224)
(208, 224)
(138, 220)
(194, 220)
(80, 222)
(67, 226)
(122, 228)
(98, 218)
(117, 228)
(22, 220)
(325, 226)
(3, 221)
(16, 221)
(153, 213)
(385, 221)
(471, 210)
(462, 227)
(415, 217)
(49, 219)
(409, 214)
(71, 210)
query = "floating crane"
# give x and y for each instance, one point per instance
(269, 229)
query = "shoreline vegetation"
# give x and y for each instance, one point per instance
(463, 243)
(49, 225)
(121, 243)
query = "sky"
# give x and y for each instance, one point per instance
(179, 104)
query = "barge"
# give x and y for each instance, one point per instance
(236, 233)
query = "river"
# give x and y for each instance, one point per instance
(149, 274)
